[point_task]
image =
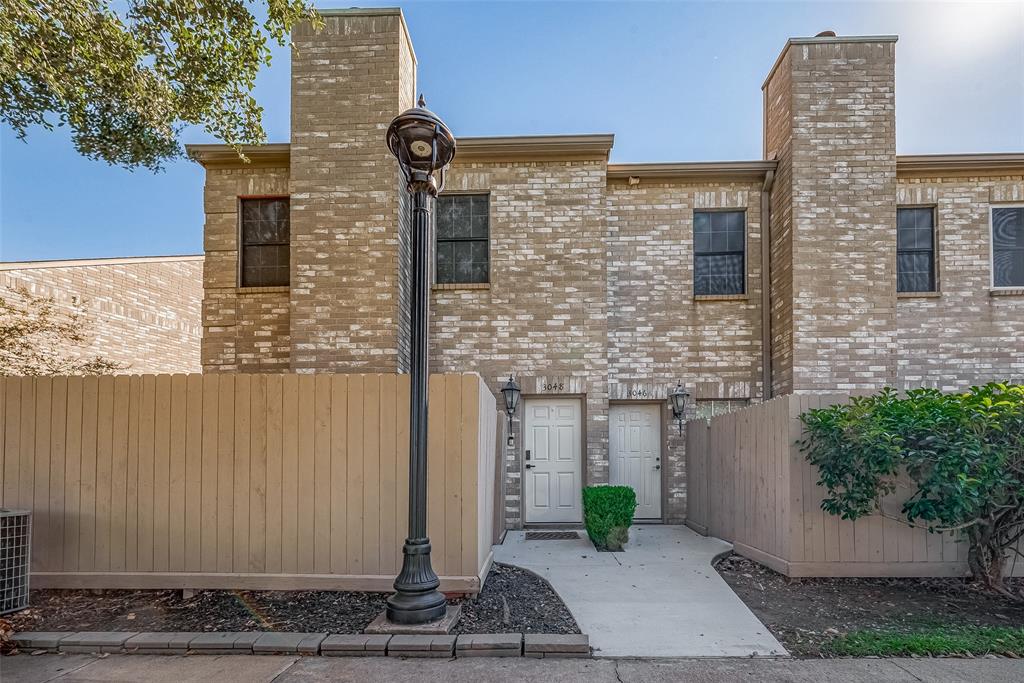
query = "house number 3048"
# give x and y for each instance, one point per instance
(554, 386)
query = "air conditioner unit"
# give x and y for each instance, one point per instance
(15, 541)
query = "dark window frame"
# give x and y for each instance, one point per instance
(742, 210)
(992, 244)
(240, 274)
(933, 250)
(438, 240)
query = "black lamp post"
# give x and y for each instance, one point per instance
(510, 390)
(423, 146)
(677, 399)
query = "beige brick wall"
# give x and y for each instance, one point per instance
(965, 335)
(348, 81)
(544, 315)
(657, 332)
(591, 281)
(143, 313)
(244, 329)
(843, 147)
(778, 145)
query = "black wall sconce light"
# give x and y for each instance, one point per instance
(510, 390)
(677, 400)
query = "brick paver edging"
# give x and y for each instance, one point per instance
(536, 645)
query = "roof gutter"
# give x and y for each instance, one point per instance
(531, 147)
(222, 156)
(696, 170)
(948, 164)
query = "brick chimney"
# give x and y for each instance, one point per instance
(829, 119)
(349, 222)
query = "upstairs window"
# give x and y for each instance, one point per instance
(463, 231)
(915, 250)
(1008, 246)
(719, 252)
(265, 236)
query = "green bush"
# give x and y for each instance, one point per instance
(963, 452)
(608, 513)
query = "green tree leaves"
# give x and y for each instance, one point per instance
(127, 81)
(964, 452)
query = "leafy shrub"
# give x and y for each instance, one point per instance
(608, 513)
(964, 452)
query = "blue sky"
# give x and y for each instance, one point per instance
(675, 81)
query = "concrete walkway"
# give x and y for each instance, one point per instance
(659, 598)
(266, 669)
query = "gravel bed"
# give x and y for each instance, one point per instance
(512, 601)
(806, 614)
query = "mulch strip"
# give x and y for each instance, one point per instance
(513, 601)
(807, 614)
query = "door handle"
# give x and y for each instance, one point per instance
(657, 467)
(529, 466)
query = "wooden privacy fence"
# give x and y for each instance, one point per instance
(271, 481)
(748, 483)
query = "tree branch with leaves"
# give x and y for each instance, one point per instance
(128, 80)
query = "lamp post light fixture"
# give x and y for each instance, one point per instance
(677, 399)
(423, 146)
(510, 390)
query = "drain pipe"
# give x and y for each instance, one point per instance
(766, 283)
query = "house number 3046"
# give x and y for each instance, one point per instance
(638, 393)
(554, 386)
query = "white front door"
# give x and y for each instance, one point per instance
(635, 454)
(552, 460)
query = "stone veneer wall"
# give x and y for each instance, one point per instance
(141, 312)
(348, 81)
(544, 314)
(244, 329)
(967, 333)
(657, 331)
(843, 164)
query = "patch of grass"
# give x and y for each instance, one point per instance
(949, 640)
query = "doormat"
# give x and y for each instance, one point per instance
(552, 536)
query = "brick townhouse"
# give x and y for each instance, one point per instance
(830, 263)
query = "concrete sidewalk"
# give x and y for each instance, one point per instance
(260, 669)
(659, 598)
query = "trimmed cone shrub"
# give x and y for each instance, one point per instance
(608, 513)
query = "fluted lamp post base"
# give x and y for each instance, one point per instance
(416, 607)
(416, 599)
